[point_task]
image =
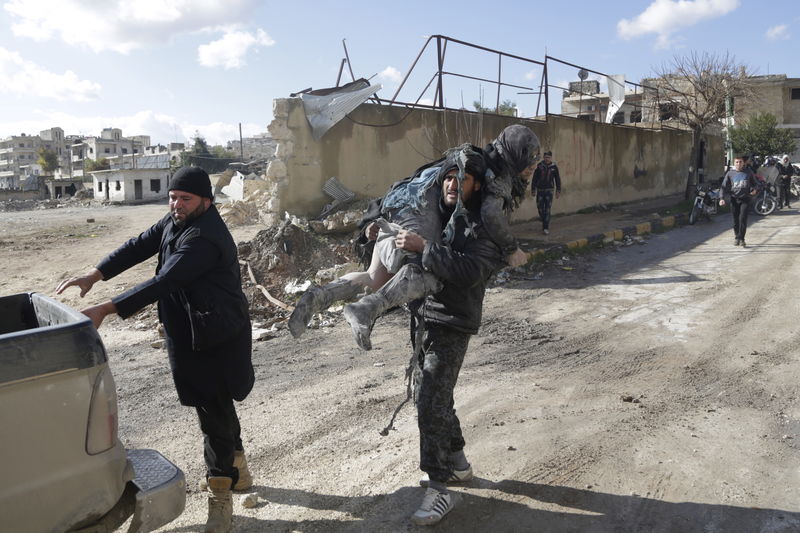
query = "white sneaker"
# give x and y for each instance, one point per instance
(459, 476)
(546, 231)
(434, 506)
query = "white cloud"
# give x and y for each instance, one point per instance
(120, 25)
(21, 77)
(665, 17)
(533, 75)
(229, 51)
(161, 128)
(778, 32)
(390, 75)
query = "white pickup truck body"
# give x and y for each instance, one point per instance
(62, 465)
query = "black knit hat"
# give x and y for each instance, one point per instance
(192, 179)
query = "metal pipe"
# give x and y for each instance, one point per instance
(341, 68)
(347, 56)
(439, 60)
(499, 77)
(408, 73)
(489, 50)
(486, 80)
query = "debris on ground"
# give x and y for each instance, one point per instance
(79, 200)
(287, 257)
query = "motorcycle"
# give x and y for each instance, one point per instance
(706, 202)
(766, 200)
(794, 187)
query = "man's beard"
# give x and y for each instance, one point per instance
(190, 217)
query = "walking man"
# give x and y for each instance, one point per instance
(740, 184)
(546, 181)
(786, 171)
(441, 327)
(204, 312)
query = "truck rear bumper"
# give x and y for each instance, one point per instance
(155, 495)
(161, 490)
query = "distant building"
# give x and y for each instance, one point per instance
(61, 188)
(585, 101)
(778, 95)
(130, 185)
(110, 145)
(20, 151)
(258, 147)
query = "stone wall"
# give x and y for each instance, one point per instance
(16, 194)
(377, 144)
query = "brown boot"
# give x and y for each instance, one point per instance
(220, 505)
(240, 464)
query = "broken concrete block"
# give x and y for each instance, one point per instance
(276, 169)
(284, 149)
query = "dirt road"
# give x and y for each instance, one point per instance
(636, 388)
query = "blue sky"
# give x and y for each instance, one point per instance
(168, 68)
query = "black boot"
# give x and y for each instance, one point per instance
(410, 283)
(317, 299)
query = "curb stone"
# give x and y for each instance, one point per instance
(656, 224)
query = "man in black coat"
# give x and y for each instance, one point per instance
(204, 312)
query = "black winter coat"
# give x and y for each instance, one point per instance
(465, 267)
(200, 302)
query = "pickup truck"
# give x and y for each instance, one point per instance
(63, 466)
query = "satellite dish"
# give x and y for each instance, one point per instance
(583, 74)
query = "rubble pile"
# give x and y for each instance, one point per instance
(286, 255)
(51, 203)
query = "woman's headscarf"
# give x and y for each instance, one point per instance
(514, 150)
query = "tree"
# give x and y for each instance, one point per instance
(761, 136)
(212, 160)
(47, 159)
(92, 165)
(692, 90)
(507, 107)
(199, 146)
(220, 151)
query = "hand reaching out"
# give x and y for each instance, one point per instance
(85, 282)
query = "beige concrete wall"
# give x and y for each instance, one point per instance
(16, 194)
(377, 145)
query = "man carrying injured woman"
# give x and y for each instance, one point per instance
(414, 207)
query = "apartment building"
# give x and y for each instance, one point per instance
(19, 154)
(110, 145)
(778, 95)
(585, 101)
(258, 147)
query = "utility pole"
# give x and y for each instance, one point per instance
(241, 142)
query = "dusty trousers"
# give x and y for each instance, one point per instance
(544, 202)
(440, 354)
(221, 436)
(740, 209)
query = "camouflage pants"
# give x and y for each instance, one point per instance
(440, 352)
(544, 201)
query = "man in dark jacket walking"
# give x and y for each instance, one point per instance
(741, 185)
(441, 327)
(204, 312)
(546, 182)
